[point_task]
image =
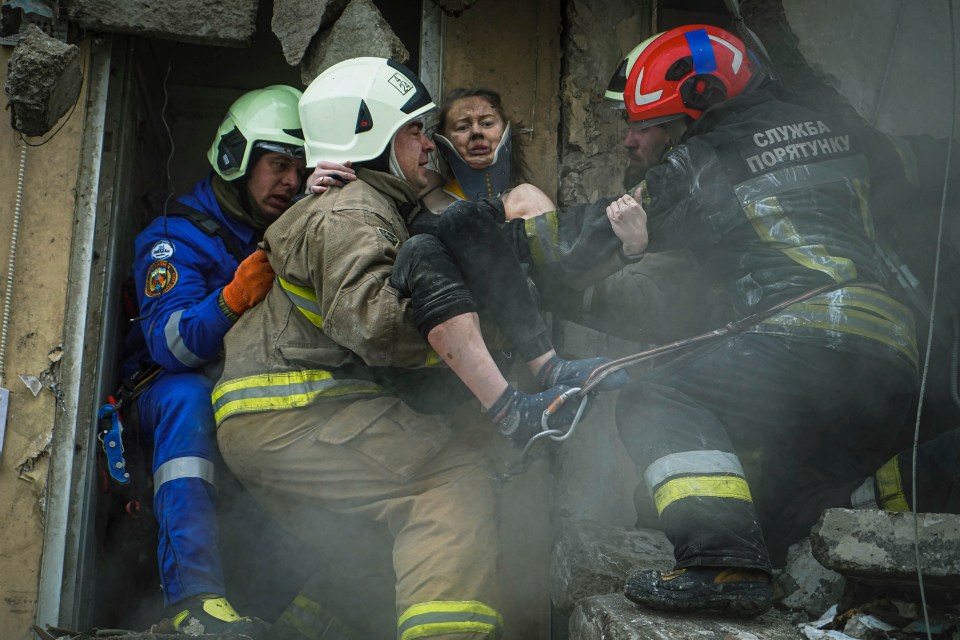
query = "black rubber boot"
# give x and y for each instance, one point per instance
(735, 592)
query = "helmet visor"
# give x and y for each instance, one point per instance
(294, 151)
(651, 122)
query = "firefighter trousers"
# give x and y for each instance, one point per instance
(378, 459)
(819, 416)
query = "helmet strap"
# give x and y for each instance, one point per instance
(393, 164)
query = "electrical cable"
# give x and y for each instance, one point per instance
(62, 125)
(886, 71)
(933, 311)
(8, 292)
(166, 125)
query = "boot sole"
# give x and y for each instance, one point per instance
(746, 603)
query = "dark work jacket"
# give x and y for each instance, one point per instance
(774, 200)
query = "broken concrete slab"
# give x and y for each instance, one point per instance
(296, 22)
(43, 81)
(454, 8)
(360, 31)
(880, 545)
(213, 22)
(590, 558)
(805, 584)
(613, 616)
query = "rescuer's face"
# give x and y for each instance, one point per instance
(273, 182)
(411, 149)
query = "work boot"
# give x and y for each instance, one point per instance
(519, 415)
(735, 591)
(576, 373)
(212, 614)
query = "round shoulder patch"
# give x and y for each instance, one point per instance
(161, 277)
(162, 250)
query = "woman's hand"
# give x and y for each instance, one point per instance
(629, 222)
(330, 174)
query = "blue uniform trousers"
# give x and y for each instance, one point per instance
(176, 417)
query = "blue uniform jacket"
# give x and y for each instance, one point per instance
(179, 271)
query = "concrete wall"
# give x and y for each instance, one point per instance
(40, 289)
(524, 67)
(889, 59)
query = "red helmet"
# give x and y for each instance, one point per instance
(681, 71)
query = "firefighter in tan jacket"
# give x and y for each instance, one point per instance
(308, 419)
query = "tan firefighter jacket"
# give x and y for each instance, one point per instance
(332, 326)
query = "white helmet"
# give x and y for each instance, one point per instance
(352, 110)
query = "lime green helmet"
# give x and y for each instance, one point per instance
(261, 119)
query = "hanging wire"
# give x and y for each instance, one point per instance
(166, 126)
(933, 311)
(62, 125)
(886, 71)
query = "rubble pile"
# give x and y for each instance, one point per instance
(854, 578)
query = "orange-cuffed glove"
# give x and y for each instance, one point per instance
(250, 284)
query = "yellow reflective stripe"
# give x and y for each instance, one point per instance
(701, 487)
(438, 618)
(862, 189)
(890, 487)
(858, 311)
(433, 359)
(304, 299)
(771, 223)
(908, 159)
(285, 390)
(543, 232)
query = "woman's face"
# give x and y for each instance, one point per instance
(475, 128)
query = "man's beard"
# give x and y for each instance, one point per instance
(633, 175)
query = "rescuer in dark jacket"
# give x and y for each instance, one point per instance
(773, 200)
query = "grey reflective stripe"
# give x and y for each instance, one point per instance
(691, 462)
(175, 342)
(449, 617)
(864, 496)
(186, 467)
(770, 185)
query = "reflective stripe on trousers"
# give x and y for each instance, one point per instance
(430, 619)
(286, 390)
(714, 474)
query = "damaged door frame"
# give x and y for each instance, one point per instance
(70, 556)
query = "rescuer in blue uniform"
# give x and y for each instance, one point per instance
(197, 269)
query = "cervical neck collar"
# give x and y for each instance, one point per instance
(480, 183)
